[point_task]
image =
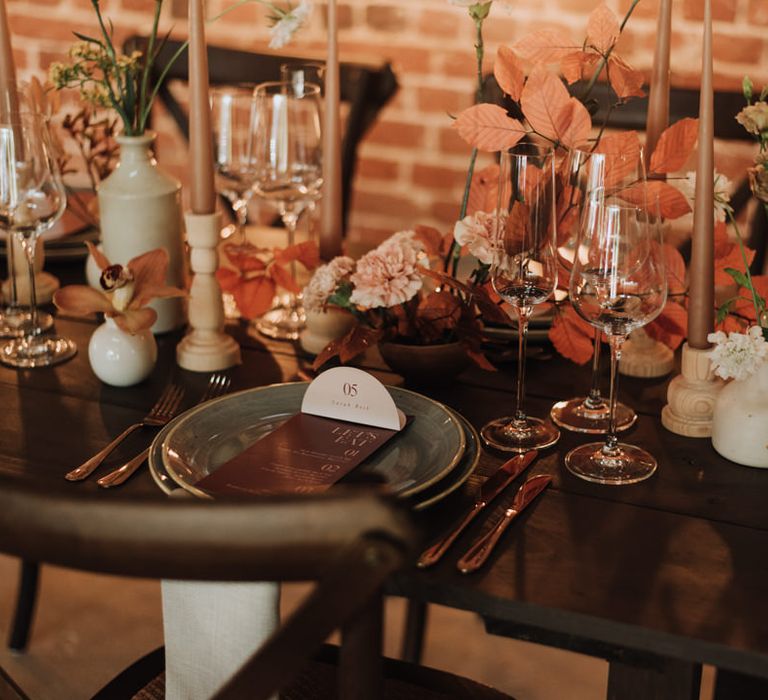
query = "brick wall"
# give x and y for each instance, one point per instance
(412, 164)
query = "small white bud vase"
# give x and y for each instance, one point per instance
(740, 421)
(322, 327)
(119, 358)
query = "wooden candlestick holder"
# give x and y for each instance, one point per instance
(642, 356)
(691, 396)
(205, 348)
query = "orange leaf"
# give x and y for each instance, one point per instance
(675, 266)
(551, 111)
(746, 307)
(728, 254)
(81, 300)
(544, 46)
(307, 253)
(484, 191)
(732, 324)
(349, 346)
(436, 314)
(283, 278)
(488, 303)
(670, 326)
(674, 146)
(430, 238)
(244, 257)
(572, 336)
(509, 73)
(625, 80)
(254, 296)
(479, 359)
(228, 279)
(488, 128)
(622, 155)
(602, 28)
(672, 202)
(573, 65)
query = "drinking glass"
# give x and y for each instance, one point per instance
(287, 155)
(234, 122)
(618, 284)
(524, 274)
(32, 198)
(586, 171)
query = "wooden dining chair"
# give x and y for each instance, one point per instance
(349, 542)
(365, 88)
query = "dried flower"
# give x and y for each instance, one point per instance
(286, 24)
(738, 355)
(758, 177)
(128, 290)
(325, 281)
(386, 276)
(476, 232)
(722, 193)
(754, 118)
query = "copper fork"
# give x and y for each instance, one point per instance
(164, 409)
(218, 384)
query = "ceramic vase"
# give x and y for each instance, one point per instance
(119, 358)
(740, 421)
(140, 210)
(425, 364)
(323, 327)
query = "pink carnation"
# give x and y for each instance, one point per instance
(477, 232)
(387, 276)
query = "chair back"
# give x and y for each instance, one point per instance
(365, 88)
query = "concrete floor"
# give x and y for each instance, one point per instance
(89, 627)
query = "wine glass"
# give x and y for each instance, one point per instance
(234, 121)
(524, 274)
(586, 170)
(618, 284)
(32, 199)
(287, 155)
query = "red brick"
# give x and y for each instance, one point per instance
(386, 17)
(139, 6)
(446, 212)
(722, 10)
(391, 133)
(405, 59)
(451, 142)
(344, 16)
(377, 168)
(36, 27)
(436, 23)
(459, 64)
(437, 177)
(648, 9)
(439, 100)
(758, 12)
(740, 49)
(378, 203)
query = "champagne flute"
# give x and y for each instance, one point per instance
(586, 170)
(524, 274)
(618, 284)
(32, 199)
(287, 154)
(233, 116)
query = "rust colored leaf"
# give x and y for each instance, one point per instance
(228, 279)
(488, 128)
(430, 238)
(245, 257)
(675, 266)
(479, 359)
(307, 253)
(745, 307)
(727, 254)
(672, 202)
(489, 305)
(359, 339)
(283, 278)
(732, 324)
(572, 336)
(551, 111)
(81, 300)
(437, 314)
(625, 80)
(670, 326)
(509, 73)
(484, 192)
(602, 28)
(545, 46)
(573, 65)
(674, 146)
(254, 296)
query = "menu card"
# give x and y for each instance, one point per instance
(309, 453)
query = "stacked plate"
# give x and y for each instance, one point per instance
(433, 457)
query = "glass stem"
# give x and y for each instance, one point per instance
(611, 441)
(523, 313)
(28, 243)
(13, 302)
(594, 399)
(240, 206)
(291, 221)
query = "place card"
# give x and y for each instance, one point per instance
(346, 415)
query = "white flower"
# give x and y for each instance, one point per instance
(738, 355)
(325, 281)
(722, 193)
(282, 31)
(477, 233)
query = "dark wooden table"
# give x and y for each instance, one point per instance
(658, 578)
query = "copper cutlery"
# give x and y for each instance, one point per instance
(492, 487)
(218, 384)
(164, 409)
(479, 552)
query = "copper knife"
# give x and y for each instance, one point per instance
(492, 487)
(481, 549)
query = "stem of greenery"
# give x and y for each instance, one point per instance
(758, 303)
(148, 61)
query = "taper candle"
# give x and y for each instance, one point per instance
(331, 221)
(658, 99)
(701, 304)
(202, 193)
(9, 100)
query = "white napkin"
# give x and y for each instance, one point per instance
(211, 629)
